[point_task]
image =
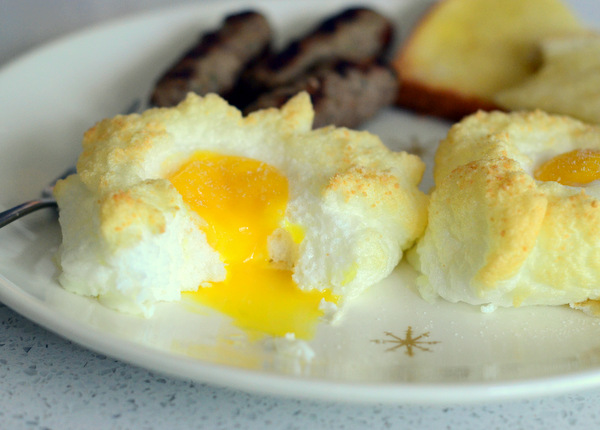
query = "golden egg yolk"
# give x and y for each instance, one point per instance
(574, 168)
(243, 201)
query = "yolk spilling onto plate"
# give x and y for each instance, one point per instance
(243, 201)
(574, 168)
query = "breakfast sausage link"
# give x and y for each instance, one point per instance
(343, 94)
(355, 35)
(216, 62)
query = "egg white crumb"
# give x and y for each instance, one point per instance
(291, 347)
(330, 311)
(489, 308)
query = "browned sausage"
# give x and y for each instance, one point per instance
(216, 62)
(342, 94)
(355, 35)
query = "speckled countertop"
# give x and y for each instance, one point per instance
(47, 382)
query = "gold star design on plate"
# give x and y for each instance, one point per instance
(409, 342)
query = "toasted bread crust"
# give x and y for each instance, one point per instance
(444, 103)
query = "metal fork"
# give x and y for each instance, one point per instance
(46, 198)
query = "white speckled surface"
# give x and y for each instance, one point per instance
(47, 382)
(50, 383)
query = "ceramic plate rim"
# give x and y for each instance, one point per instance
(259, 381)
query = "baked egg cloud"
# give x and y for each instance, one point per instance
(514, 218)
(198, 197)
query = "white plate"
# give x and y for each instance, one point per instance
(52, 95)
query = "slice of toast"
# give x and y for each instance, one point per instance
(462, 52)
(568, 82)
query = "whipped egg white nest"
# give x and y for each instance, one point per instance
(514, 218)
(133, 238)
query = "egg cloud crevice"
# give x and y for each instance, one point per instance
(131, 240)
(498, 235)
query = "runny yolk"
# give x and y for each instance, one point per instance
(574, 168)
(243, 201)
